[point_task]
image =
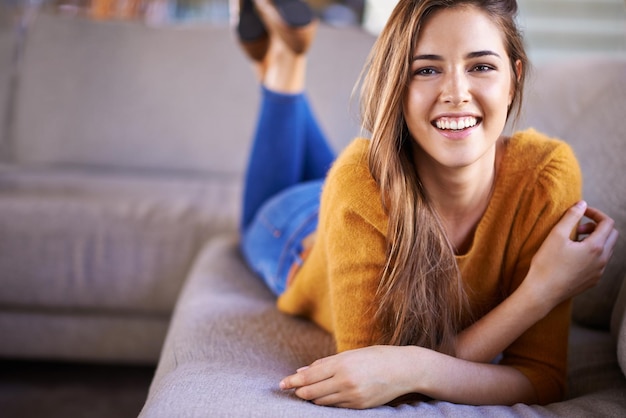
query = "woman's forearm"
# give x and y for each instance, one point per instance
(456, 380)
(489, 336)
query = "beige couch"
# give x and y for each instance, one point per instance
(123, 148)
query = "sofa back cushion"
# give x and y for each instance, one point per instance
(120, 94)
(582, 102)
(7, 43)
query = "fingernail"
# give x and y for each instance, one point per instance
(282, 385)
(581, 204)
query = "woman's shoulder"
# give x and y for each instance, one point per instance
(534, 156)
(355, 153)
(350, 184)
(352, 163)
(532, 149)
(536, 164)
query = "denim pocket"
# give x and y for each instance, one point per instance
(272, 242)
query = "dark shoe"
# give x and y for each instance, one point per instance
(292, 20)
(252, 34)
(295, 13)
(250, 27)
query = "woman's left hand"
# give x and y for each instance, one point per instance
(358, 379)
(562, 268)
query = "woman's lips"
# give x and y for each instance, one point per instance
(456, 127)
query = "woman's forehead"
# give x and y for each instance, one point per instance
(459, 31)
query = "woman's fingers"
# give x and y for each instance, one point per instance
(602, 236)
(585, 229)
(610, 243)
(337, 400)
(599, 241)
(571, 219)
(326, 389)
(604, 223)
(315, 383)
(601, 229)
(596, 214)
(319, 371)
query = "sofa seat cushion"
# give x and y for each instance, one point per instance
(228, 347)
(593, 362)
(98, 242)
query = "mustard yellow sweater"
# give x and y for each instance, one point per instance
(538, 180)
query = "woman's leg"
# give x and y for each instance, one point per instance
(288, 146)
(318, 154)
(280, 202)
(277, 150)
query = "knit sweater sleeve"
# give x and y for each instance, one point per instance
(353, 229)
(541, 352)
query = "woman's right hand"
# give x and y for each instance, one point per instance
(563, 268)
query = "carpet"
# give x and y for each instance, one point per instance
(55, 390)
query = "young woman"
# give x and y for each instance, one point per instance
(437, 244)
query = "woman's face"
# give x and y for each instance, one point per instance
(460, 88)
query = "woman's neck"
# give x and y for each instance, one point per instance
(461, 195)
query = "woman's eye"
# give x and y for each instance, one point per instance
(482, 68)
(425, 71)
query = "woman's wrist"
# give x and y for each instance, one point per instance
(536, 297)
(420, 368)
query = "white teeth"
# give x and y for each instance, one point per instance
(456, 124)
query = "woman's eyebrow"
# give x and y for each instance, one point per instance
(476, 54)
(429, 57)
(479, 54)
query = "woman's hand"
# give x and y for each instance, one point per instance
(374, 376)
(357, 379)
(563, 268)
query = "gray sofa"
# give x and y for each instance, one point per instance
(122, 153)
(123, 148)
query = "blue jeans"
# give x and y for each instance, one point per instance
(288, 162)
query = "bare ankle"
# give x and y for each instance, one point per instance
(284, 70)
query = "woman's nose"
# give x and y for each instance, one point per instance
(455, 89)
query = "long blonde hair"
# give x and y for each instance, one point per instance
(421, 298)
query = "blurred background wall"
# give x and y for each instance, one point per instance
(554, 29)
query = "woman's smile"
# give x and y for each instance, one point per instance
(456, 127)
